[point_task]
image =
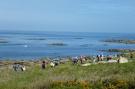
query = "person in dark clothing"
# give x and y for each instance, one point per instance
(109, 58)
(43, 65)
(131, 55)
(56, 63)
(98, 58)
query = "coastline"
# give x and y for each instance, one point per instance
(67, 75)
(124, 41)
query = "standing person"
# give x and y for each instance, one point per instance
(131, 55)
(108, 57)
(15, 66)
(98, 58)
(75, 60)
(81, 59)
(22, 68)
(102, 57)
(43, 65)
(52, 64)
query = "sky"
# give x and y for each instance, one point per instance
(68, 15)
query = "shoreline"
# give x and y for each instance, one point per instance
(89, 74)
(123, 41)
(67, 75)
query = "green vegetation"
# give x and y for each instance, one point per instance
(124, 41)
(120, 50)
(129, 53)
(69, 76)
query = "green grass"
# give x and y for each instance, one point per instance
(68, 76)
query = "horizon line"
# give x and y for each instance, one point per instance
(63, 31)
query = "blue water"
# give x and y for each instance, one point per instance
(25, 44)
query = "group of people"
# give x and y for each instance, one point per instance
(21, 67)
(76, 59)
(100, 57)
(18, 67)
(52, 64)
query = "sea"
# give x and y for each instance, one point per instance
(25, 45)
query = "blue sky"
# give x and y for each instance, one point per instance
(68, 15)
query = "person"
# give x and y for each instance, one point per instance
(18, 67)
(52, 64)
(131, 55)
(101, 57)
(56, 63)
(75, 60)
(81, 59)
(15, 66)
(109, 58)
(22, 68)
(118, 60)
(98, 58)
(43, 65)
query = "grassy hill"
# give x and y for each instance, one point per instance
(69, 76)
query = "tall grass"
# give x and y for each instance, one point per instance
(68, 76)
